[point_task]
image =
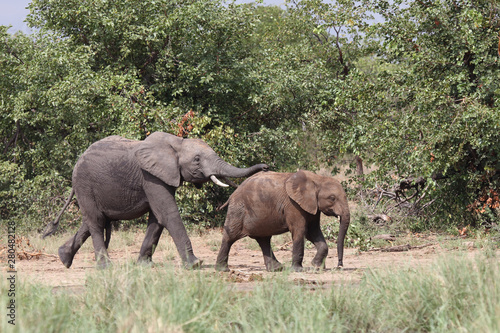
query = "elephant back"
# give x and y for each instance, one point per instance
(103, 158)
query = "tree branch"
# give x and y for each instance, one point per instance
(13, 139)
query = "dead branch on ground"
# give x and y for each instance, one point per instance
(409, 196)
(400, 248)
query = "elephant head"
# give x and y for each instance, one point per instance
(315, 193)
(173, 160)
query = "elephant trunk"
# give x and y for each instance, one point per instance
(224, 169)
(345, 219)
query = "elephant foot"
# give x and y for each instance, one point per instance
(274, 267)
(221, 267)
(104, 263)
(195, 264)
(319, 265)
(66, 256)
(297, 268)
(145, 260)
(146, 263)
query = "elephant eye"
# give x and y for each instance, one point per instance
(332, 197)
(196, 159)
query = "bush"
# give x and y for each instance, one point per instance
(34, 202)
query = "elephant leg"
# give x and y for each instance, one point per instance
(97, 227)
(164, 207)
(151, 239)
(176, 228)
(68, 250)
(272, 264)
(315, 235)
(108, 229)
(298, 249)
(223, 256)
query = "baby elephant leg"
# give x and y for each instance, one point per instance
(315, 235)
(223, 257)
(272, 264)
(297, 251)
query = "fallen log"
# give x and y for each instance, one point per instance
(25, 255)
(400, 248)
(387, 237)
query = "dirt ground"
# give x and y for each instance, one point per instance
(245, 261)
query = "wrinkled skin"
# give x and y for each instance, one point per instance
(121, 179)
(271, 203)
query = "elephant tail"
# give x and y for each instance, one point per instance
(52, 226)
(223, 206)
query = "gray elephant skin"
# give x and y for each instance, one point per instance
(122, 179)
(271, 203)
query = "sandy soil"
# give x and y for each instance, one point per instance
(245, 261)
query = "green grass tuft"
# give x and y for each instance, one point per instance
(454, 294)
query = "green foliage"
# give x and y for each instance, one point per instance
(53, 107)
(102, 68)
(187, 54)
(428, 104)
(358, 235)
(414, 93)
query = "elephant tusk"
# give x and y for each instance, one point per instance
(218, 182)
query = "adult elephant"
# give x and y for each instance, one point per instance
(121, 179)
(272, 203)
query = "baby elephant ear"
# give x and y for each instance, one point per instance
(301, 189)
(160, 160)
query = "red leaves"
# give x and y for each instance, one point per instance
(489, 198)
(185, 125)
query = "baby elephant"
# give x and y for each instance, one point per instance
(271, 203)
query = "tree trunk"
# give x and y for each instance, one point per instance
(359, 167)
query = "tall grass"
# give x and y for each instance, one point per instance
(455, 294)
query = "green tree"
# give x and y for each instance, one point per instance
(97, 68)
(303, 53)
(53, 106)
(416, 94)
(430, 108)
(187, 54)
(255, 77)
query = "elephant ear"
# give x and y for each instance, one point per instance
(301, 189)
(160, 160)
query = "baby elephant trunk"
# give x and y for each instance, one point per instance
(345, 219)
